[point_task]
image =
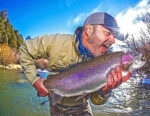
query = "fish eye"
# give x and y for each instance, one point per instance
(143, 58)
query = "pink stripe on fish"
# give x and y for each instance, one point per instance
(126, 58)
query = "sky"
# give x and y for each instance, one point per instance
(37, 17)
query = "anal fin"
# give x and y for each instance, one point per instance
(56, 98)
(81, 96)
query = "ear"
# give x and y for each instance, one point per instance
(88, 29)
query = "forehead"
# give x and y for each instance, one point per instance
(103, 28)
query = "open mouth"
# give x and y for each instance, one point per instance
(104, 47)
(107, 44)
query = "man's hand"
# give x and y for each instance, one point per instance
(41, 90)
(114, 80)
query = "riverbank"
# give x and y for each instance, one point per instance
(15, 67)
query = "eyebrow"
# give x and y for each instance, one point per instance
(108, 31)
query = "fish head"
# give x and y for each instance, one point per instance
(138, 62)
(131, 62)
(127, 59)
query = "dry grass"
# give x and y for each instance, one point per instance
(8, 55)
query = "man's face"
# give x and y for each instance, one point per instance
(100, 40)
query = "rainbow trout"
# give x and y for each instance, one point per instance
(89, 76)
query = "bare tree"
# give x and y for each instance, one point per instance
(142, 45)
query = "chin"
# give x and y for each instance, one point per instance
(100, 54)
(97, 55)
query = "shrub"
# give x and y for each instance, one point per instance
(7, 55)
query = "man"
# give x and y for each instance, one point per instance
(91, 40)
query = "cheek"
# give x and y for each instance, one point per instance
(101, 38)
(96, 39)
(93, 39)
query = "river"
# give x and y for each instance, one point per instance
(19, 98)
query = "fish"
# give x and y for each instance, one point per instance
(91, 75)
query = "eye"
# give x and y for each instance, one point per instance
(107, 33)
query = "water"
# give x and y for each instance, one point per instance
(130, 99)
(18, 98)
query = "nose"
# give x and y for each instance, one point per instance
(112, 39)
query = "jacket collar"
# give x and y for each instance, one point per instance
(84, 52)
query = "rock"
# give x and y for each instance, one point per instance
(22, 81)
(7, 67)
(14, 66)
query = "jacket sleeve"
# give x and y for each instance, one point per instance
(98, 99)
(31, 50)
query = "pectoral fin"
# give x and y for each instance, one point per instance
(55, 98)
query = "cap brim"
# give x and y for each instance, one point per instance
(121, 36)
(117, 34)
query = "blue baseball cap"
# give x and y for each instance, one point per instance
(107, 21)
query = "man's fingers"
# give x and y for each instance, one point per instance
(43, 93)
(109, 83)
(127, 77)
(119, 75)
(109, 80)
(108, 87)
(115, 79)
(44, 89)
(46, 92)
